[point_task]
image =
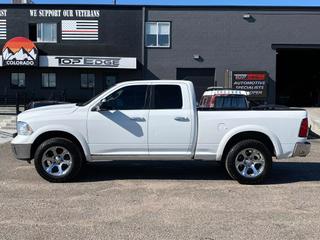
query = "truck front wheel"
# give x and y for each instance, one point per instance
(248, 162)
(58, 160)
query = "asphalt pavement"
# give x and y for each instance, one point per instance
(160, 200)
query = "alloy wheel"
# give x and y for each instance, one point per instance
(250, 163)
(57, 161)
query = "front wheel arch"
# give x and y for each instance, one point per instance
(62, 169)
(55, 134)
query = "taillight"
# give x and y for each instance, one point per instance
(211, 102)
(304, 128)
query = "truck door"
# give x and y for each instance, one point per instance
(119, 128)
(170, 122)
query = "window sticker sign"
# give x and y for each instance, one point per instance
(251, 81)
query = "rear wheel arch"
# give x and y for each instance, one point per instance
(249, 135)
(55, 134)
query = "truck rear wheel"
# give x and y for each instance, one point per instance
(58, 160)
(248, 162)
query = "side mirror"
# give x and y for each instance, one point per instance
(104, 105)
(98, 107)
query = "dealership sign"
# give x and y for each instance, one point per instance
(88, 62)
(251, 81)
(19, 51)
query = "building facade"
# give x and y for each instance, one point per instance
(83, 49)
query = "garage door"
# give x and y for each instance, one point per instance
(298, 77)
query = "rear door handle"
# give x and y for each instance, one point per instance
(182, 119)
(138, 119)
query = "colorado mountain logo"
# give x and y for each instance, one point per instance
(19, 51)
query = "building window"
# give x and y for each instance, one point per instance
(48, 80)
(46, 32)
(87, 80)
(33, 32)
(18, 80)
(110, 81)
(158, 34)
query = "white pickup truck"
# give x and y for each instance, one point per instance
(154, 120)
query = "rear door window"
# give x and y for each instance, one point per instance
(167, 97)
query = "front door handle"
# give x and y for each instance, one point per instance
(138, 119)
(182, 119)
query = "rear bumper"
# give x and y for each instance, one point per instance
(22, 151)
(301, 149)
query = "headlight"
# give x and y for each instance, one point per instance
(24, 128)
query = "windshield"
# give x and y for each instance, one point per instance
(89, 101)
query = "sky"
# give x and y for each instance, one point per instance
(190, 2)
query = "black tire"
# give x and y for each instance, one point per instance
(236, 150)
(74, 152)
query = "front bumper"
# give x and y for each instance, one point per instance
(301, 149)
(22, 151)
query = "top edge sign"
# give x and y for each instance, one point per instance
(20, 51)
